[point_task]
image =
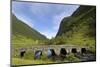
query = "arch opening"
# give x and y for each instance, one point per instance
(83, 50)
(63, 51)
(74, 50)
(38, 54)
(22, 53)
(51, 53)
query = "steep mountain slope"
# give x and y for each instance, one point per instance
(79, 28)
(22, 33)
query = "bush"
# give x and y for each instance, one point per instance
(71, 58)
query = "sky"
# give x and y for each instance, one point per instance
(43, 17)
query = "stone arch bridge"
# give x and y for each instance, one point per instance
(56, 48)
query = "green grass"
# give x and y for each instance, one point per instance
(29, 59)
(18, 61)
(72, 58)
(20, 41)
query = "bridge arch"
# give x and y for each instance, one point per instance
(63, 51)
(83, 50)
(74, 50)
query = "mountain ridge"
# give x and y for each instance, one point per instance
(23, 33)
(79, 28)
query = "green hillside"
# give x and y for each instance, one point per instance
(79, 28)
(23, 34)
